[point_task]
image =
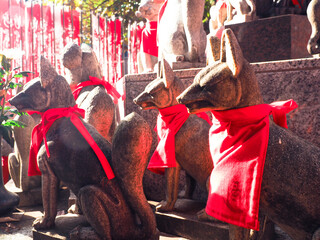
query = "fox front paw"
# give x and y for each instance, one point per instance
(203, 216)
(43, 223)
(164, 206)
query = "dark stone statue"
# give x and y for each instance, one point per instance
(82, 63)
(116, 208)
(290, 185)
(191, 141)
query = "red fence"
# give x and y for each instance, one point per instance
(39, 28)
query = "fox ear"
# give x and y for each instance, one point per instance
(231, 52)
(47, 72)
(213, 49)
(168, 74)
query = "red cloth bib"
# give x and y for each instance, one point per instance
(39, 133)
(149, 39)
(169, 122)
(238, 145)
(96, 81)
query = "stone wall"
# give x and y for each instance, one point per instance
(298, 79)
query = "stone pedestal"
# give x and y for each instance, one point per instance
(275, 38)
(32, 197)
(298, 79)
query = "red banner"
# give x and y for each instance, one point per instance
(59, 33)
(118, 52)
(76, 26)
(37, 37)
(28, 39)
(134, 47)
(67, 25)
(95, 35)
(103, 46)
(48, 33)
(4, 26)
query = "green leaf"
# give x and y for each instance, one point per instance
(12, 85)
(25, 73)
(5, 64)
(14, 123)
(16, 68)
(18, 75)
(6, 133)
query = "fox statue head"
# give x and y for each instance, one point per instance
(161, 92)
(227, 83)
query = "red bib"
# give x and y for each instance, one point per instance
(96, 81)
(149, 39)
(169, 122)
(39, 133)
(238, 145)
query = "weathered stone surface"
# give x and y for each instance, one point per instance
(133, 85)
(275, 38)
(183, 222)
(279, 80)
(313, 13)
(180, 31)
(101, 199)
(19, 160)
(81, 63)
(30, 197)
(290, 161)
(191, 146)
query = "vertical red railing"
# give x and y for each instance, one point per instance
(44, 28)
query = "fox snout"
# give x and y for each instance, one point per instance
(193, 98)
(144, 101)
(20, 101)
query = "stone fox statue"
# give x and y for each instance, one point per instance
(290, 184)
(313, 13)
(191, 146)
(180, 31)
(148, 55)
(110, 204)
(82, 64)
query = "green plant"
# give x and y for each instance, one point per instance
(8, 81)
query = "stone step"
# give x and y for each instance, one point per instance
(183, 222)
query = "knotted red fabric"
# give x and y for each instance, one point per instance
(96, 81)
(149, 38)
(39, 133)
(238, 144)
(169, 122)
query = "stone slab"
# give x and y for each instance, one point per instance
(275, 38)
(183, 222)
(27, 198)
(298, 79)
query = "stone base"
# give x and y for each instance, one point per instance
(27, 198)
(63, 225)
(183, 222)
(275, 38)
